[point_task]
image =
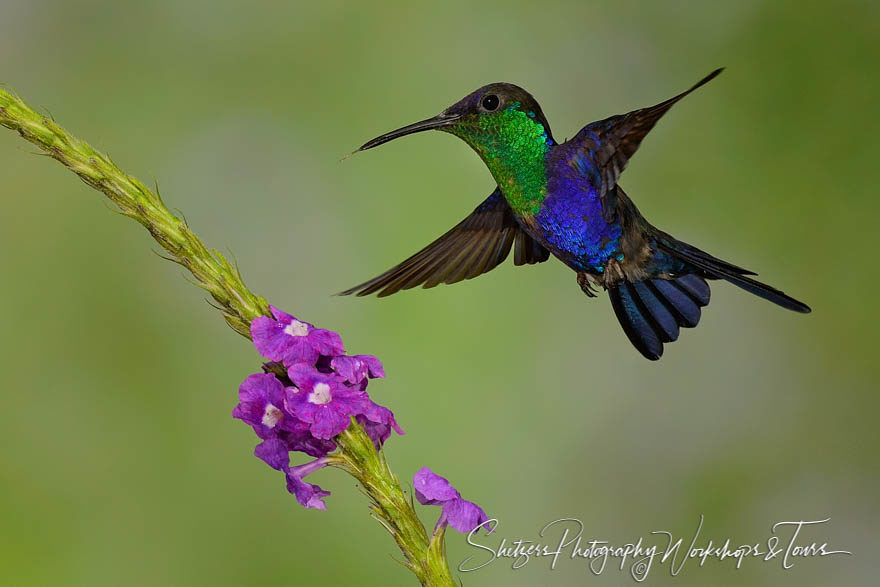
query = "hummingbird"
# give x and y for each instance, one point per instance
(564, 199)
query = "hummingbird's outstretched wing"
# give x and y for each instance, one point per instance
(612, 141)
(476, 245)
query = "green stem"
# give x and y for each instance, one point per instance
(239, 306)
(392, 507)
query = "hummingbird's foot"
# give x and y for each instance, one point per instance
(585, 281)
(613, 273)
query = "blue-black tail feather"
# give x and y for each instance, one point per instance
(714, 268)
(651, 312)
(660, 317)
(634, 322)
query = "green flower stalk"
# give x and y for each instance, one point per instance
(357, 453)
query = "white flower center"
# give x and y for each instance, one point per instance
(271, 416)
(320, 394)
(296, 328)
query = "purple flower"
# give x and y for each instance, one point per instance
(261, 404)
(432, 489)
(322, 400)
(465, 516)
(274, 452)
(378, 421)
(355, 369)
(461, 514)
(298, 437)
(328, 389)
(308, 495)
(290, 341)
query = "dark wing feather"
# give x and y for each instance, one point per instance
(612, 141)
(476, 245)
(527, 250)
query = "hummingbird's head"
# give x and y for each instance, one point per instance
(493, 120)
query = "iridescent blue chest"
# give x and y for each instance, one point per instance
(571, 218)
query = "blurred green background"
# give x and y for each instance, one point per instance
(120, 463)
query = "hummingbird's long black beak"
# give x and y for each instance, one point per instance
(439, 121)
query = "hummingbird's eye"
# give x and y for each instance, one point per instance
(490, 102)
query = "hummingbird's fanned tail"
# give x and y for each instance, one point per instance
(715, 268)
(652, 311)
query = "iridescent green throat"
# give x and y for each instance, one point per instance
(514, 147)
